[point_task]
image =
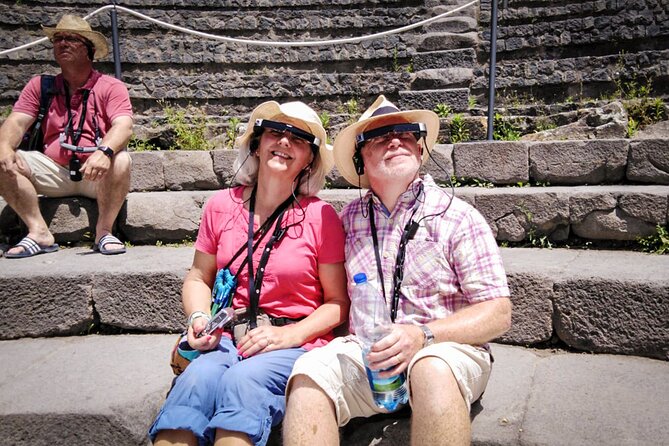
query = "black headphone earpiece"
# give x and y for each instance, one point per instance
(358, 162)
(255, 139)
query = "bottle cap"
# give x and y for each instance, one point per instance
(360, 278)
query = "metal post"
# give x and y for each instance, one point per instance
(492, 68)
(115, 45)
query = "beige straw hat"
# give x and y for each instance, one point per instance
(76, 25)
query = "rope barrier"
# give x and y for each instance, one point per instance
(256, 42)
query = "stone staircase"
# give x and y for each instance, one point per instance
(86, 337)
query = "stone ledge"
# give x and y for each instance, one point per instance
(107, 390)
(600, 301)
(515, 214)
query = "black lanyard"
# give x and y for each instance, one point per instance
(407, 234)
(254, 290)
(68, 127)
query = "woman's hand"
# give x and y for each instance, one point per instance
(206, 342)
(265, 339)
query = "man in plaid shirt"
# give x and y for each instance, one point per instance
(435, 261)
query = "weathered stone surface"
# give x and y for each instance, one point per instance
(608, 122)
(132, 302)
(453, 25)
(188, 170)
(440, 165)
(465, 58)
(436, 41)
(598, 316)
(612, 225)
(456, 98)
(223, 165)
(147, 172)
(437, 78)
(658, 130)
(162, 216)
(531, 319)
(73, 219)
(649, 161)
(44, 305)
(83, 390)
(498, 163)
(578, 162)
(540, 213)
(589, 399)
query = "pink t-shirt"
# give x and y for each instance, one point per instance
(107, 100)
(291, 286)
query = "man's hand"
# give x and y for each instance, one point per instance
(96, 166)
(8, 162)
(394, 352)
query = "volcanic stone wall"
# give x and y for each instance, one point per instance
(552, 49)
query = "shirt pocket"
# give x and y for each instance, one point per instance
(424, 267)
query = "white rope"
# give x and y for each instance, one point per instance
(257, 42)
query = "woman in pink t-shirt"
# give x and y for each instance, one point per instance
(275, 235)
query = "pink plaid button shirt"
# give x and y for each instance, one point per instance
(452, 262)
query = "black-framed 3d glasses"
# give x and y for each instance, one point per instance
(417, 129)
(282, 127)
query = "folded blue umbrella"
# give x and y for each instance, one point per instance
(224, 288)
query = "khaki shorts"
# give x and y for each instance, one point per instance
(338, 369)
(53, 180)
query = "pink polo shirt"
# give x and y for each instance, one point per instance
(291, 285)
(108, 100)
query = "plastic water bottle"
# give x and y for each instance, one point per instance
(371, 322)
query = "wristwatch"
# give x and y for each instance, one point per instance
(429, 336)
(107, 151)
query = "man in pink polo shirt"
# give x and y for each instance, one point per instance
(85, 131)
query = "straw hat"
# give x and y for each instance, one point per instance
(76, 25)
(299, 111)
(344, 144)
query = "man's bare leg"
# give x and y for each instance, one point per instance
(439, 413)
(310, 415)
(112, 192)
(20, 194)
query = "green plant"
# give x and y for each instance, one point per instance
(657, 243)
(459, 131)
(6, 111)
(352, 109)
(325, 119)
(231, 132)
(471, 101)
(632, 127)
(443, 110)
(140, 145)
(409, 67)
(188, 136)
(543, 123)
(395, 64)
(504, 129)
(535, 240)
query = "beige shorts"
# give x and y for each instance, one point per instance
(53, 180)
(338, 369)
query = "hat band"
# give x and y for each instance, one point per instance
(385, 110)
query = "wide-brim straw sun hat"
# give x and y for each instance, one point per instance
(296, 110)
(76, 25)
(344, 144)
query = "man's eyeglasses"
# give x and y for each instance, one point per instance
(384, 135)
(67, 39)
(295, 135)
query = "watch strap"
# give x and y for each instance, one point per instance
(429, 336)
(107, 151)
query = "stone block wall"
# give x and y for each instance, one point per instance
(550, 49)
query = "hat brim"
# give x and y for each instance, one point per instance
(272, 110)
(99, 41)
(344, 144)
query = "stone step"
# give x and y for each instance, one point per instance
(596, 301)
(170, 188)
(536, 216)
(107, 390)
